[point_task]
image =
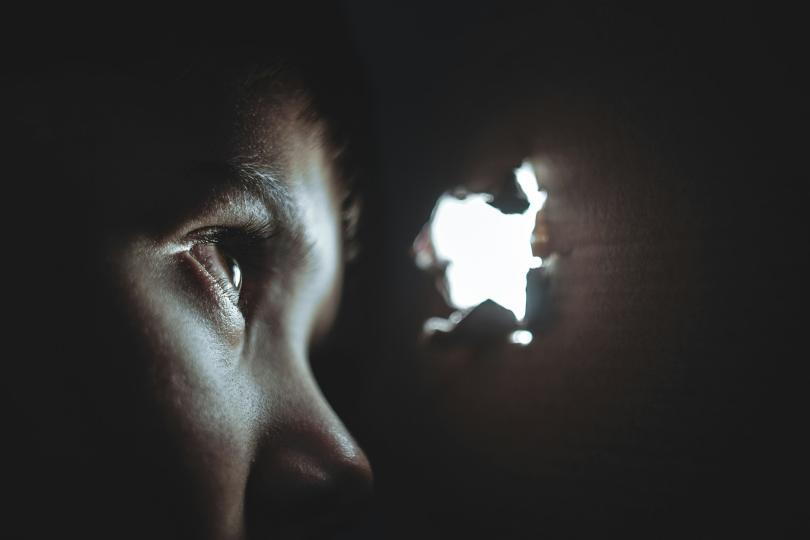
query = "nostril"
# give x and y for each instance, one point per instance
(321, 485)
(355, 479)
(307, 482)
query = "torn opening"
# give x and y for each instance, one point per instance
(483, 246)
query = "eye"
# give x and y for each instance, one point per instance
(223, 268)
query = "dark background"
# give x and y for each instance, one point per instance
(688, 434)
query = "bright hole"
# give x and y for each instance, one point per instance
(487, 253)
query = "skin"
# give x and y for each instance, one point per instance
(193, 412)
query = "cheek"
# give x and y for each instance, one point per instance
(192, 341)
(199, 404)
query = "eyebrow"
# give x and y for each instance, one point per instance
(264, 182)
(219, 184)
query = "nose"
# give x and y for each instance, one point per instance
(309, 474)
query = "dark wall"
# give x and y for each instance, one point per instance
(671, 136)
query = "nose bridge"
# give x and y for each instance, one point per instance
(307, 464)
(315, 435)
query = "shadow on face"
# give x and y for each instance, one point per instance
(204, 200)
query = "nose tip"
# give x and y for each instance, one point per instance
(307, 476)
(329, 470)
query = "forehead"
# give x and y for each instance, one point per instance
(178, 110)
(143, 139)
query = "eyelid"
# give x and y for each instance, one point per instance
(249, 244)
(239, 211)
(250, 231)
(214, 265)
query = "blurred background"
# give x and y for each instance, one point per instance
(667, 139)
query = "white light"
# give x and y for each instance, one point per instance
(437, 324)
(423, 260)
(521, 337)
(487, 253)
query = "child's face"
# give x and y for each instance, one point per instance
(220, 263)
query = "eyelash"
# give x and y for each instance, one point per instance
(250, 233)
